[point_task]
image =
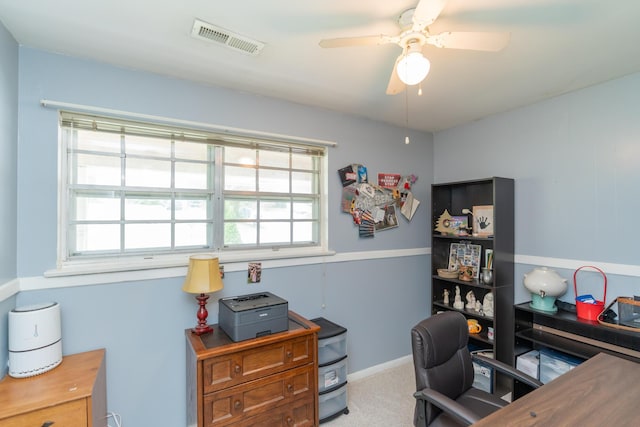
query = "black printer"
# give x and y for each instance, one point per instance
(254, 315)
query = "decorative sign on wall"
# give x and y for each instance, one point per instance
(375, 206)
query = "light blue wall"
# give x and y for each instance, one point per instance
(8, 178)
(5, 307)
(141, 324)
(577, 181)
(47, 76)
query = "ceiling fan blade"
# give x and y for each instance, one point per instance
(426, 12)
(395, 84)
(358, 41)
(490, 42)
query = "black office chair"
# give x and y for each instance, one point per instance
(444, 374)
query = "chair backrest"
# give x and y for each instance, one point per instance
(441, 358)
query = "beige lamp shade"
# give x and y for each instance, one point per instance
(203, 276)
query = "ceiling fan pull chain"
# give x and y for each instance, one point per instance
(406, 106)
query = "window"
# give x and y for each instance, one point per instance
(134, 189)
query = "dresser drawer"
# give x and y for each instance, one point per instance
(300, 413)
(230, 405)
(239, 367)
(72, 414)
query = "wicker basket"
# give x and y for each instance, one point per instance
(448, 274)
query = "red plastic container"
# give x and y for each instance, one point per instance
(589, 311)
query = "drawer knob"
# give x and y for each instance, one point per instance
(289, 354)
(238, 368)
(289, 388)
(237, 404)
(48, 423)
(289, 421)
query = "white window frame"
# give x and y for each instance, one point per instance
(66, 266)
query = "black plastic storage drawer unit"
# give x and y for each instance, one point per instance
(332, 369)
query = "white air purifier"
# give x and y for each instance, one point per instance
(35, 342)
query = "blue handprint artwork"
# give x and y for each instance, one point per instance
(483, 220)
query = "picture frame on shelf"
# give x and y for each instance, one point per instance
(459, 225)
(464, 254)
(483, 220)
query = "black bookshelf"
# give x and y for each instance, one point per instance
(454, 197)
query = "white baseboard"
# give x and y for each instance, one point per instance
(379, 368)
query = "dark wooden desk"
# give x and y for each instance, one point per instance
(603, 391)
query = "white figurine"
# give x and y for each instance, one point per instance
(446, 297)
(487, 305)
(457, 300)
(478, 306)
(471, 301)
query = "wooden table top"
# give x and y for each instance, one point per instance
(602, 391)
(71, 380)
(217, 342)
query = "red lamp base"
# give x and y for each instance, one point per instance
(202, 327)
(201, 330)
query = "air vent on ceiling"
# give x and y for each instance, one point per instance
(205, 31)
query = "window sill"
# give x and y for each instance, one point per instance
(234, 262)
(181, 261)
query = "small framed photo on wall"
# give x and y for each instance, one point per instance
(483, 220)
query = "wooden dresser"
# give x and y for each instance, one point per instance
(74, 394)
(266, 381)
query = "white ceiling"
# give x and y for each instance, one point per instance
(556, 46)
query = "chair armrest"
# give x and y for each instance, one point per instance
(508, 370)
(450, 406)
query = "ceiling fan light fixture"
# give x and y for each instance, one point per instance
(413, 67)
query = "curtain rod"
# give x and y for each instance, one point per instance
(233, 131)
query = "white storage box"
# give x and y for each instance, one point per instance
(554, 363)
(483, 373)
(529, 363)
(332, 375)
(331, 349)
(332, 341)
(333, 403)
(483, 377)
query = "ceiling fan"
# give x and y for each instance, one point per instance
(413, 38)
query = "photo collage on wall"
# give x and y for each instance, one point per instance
(375, 206)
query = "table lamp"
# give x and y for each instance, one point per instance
(203, 277)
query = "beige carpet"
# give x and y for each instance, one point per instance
(384, 399)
